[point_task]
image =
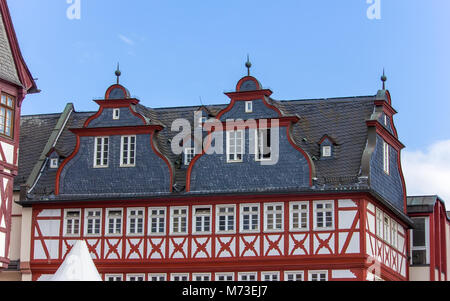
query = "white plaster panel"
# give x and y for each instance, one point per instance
(201, 253)
(249, 251)
(52, 248)
(346, 219)
(8, 150)
(39, 252)
(155, 254)
(224, 253)
(371, 207)
(184, 247)
(50, 213)
(2, 244)
(134, 255)
(49, 228)
(347, 204)
(274, 251)
(343, 274)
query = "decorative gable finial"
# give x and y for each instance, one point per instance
(248, 64)
(118, 73)
(384, 79)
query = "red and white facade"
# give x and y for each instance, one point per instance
(13, 88)
(350, 248)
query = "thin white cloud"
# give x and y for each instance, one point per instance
(126, 40)
(427, 172)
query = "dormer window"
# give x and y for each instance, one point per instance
(54, 163)
(248, 107)
(116, 114)
(326, 151)
(327, 145)
(263, 145)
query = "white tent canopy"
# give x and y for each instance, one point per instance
(78, 265)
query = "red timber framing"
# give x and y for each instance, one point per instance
(9, 145)
(438, 237)
(341, 251)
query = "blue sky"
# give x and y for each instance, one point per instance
(174, 52)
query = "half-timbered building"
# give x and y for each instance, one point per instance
(15, 83)
(303, 190)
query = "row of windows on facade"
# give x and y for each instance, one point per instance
(244, 276)
(7, 105)
(299, 220)
(225, 219)
(235, 149)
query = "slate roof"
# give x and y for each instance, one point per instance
(343, 119)
(35, 131)
(8, 69)
(424, 204)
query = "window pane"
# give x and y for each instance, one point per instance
(419, 257)
(419, 232)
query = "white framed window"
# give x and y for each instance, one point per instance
(179, 277)
(249, 107)
(135, 277)
(128, 151)
(318, 276)
(235, 146)
(274, 217)
(114, 222)
(379, 227)
(387, 228)
(299, 216)
(157, 277)
(324, 215)
(72, 219)
(394, 233)
(326, 151)
(294, 276)
(263, 145)
(225, 219)
(386, 160)
(101, 152)
(116, 114)
(54, 162)
(189, 154)
(385, 120)
(270, 276)
(114, 277)
(249, 220)
(248, 276)
(201, 277)
(157, 221)
(420, 241)
(135, 221)
(179, 216)
(93, 222)
(224, 277)
(201, 220)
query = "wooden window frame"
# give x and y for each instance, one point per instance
(11, 109)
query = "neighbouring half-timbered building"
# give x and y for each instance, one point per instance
(15, 83)
(302, 189)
